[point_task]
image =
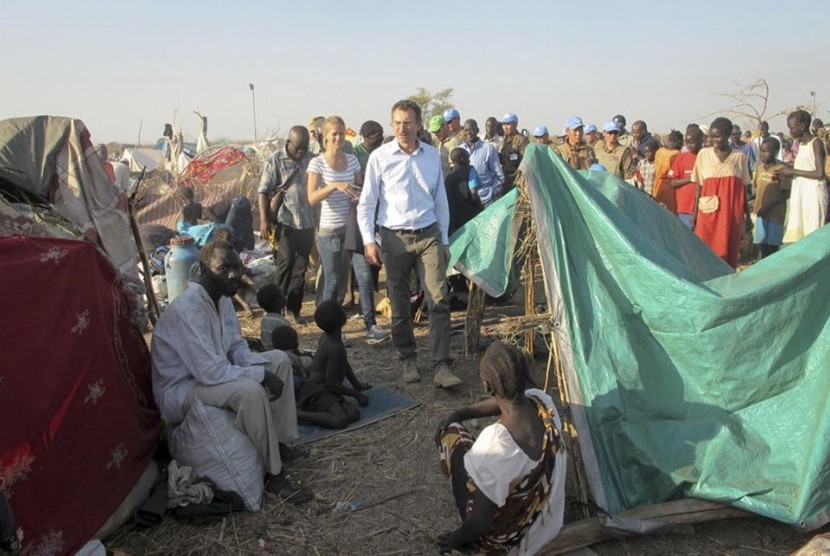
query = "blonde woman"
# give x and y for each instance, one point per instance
(334, 182)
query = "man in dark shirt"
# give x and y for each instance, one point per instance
(642, 137)
(291, 229)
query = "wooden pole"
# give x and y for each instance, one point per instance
(530, 299)
(473, 318)
(654, 519)
(571, 437)
(153, 311)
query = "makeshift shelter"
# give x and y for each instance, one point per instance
(216, 175)
(50, 160)
(684, 379)
(143, 159)
(79, 422)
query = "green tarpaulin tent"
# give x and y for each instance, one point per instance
(685, 378)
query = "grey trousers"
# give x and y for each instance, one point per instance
(402, 252)
(266, 423)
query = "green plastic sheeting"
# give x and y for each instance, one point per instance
(696, 381)
(483, 248)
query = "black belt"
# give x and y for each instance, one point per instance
(410, 230)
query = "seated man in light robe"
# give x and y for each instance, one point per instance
(198, 353)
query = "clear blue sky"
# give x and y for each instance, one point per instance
(118, 65)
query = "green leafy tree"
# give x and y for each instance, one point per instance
(433, 103)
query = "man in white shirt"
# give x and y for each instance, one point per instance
(492, 131)
(198, 353)
(404, 184)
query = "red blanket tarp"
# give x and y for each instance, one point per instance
(206, 166)
(79, 424)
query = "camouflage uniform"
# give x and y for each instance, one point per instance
(626, 140)
(618, 161)
(556, 141)
(452, 141)
(511, 151)
(445, 148)
(580, 157)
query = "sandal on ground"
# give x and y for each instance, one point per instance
(289, 454)
(286, 488)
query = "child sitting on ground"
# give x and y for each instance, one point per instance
(272, 301)
(321, 400)
(189, 218)
(191, 210)
(190, 214)
(285, 339)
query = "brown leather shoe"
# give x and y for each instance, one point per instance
(410, 371)
(444, 378)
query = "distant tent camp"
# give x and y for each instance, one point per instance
(143, 158)
(685, 379)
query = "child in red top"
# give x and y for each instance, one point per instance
(681, 175)
(664, 158)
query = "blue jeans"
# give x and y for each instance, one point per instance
(366, 285)
(333, 259)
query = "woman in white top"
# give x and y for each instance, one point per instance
(808, 196)
(509, 483)
(335, 181)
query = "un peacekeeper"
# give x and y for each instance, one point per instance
(616, 158)
(453, 119)
(440, 139)
(592, 135)
(575, 151)
(512, 149)
(541, 135)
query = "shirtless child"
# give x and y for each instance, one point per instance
(285, 339)
(321, 400)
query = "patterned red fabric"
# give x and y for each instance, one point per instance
(79, 424)
(202, 169)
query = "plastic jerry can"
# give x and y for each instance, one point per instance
(177, 264)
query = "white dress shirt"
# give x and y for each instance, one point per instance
(406, 189)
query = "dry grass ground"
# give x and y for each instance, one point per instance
(390, 470)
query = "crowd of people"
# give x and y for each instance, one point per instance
(719, 181)
(394, 202)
